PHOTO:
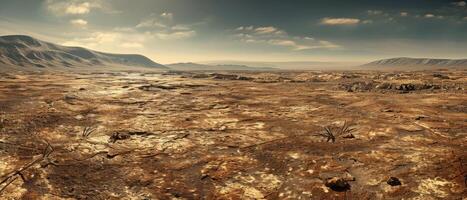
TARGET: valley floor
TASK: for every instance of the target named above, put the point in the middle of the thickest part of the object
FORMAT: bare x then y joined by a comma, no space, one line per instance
242,135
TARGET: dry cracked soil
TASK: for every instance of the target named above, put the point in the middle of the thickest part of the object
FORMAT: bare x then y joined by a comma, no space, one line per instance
234,135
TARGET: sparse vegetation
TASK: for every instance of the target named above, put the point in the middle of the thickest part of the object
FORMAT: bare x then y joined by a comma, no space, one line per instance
331,133
87,131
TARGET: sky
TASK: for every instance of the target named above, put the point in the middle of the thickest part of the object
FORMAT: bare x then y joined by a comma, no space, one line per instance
170,31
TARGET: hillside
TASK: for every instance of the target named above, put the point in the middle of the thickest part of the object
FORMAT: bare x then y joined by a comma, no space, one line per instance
21,52
410,63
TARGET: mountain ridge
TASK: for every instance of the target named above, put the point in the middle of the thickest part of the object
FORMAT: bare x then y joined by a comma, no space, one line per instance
190,66
27,53
399,62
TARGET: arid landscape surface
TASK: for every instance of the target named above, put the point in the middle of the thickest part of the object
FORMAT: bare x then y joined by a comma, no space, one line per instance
234,135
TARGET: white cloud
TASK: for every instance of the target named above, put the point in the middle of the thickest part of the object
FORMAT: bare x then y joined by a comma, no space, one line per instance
375,12
429,15
460,3
167,15
151,23
274,36
340,21
175,35
465,18
72,7
267,30
79,22
82,8
404,14
165,28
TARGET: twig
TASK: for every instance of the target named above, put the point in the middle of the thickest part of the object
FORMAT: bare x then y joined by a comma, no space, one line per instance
12,176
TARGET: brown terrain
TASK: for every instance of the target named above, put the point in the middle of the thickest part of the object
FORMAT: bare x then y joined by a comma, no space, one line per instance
234,135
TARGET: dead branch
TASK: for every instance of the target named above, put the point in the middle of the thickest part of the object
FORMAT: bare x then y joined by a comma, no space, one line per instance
12,176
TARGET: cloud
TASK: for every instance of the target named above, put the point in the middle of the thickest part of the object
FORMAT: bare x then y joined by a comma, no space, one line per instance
111,40
167,15
164,27
267,30
79,22
404,14
460,3
72,7
465,18
339,21
150,23
276,37
429,16
175,35
82,8
375,12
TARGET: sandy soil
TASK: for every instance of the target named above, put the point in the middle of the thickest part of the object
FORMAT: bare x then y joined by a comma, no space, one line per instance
232,135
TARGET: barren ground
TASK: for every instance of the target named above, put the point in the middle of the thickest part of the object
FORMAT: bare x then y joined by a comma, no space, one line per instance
233,135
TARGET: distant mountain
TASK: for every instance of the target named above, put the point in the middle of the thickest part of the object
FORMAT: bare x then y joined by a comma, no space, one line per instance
198,67
22,52
292,65
425,63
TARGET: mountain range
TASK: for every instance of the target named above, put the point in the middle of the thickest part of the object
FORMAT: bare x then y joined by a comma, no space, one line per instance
25,53
416,63
22,52
219,67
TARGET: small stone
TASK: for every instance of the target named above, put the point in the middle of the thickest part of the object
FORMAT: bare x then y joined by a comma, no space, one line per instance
419,117
348,177
388,110
223,128
393,181
348,136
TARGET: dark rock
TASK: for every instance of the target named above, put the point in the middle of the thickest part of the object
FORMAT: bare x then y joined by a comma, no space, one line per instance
419,117
393,181
441,76
337,184
119,136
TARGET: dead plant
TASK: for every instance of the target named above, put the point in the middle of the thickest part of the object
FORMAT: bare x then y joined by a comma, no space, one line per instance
10,177
331,133
87,131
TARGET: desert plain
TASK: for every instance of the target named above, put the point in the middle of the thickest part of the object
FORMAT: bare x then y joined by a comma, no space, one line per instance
234,135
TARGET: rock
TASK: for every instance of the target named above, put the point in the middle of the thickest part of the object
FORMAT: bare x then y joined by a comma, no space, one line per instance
406,87
419,117
388,110
393,181
348,177
440,76
223,128
119,136
337,184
